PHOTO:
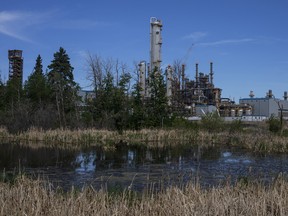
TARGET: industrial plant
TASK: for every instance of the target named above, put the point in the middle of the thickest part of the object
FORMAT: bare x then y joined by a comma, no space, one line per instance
190,98
198,97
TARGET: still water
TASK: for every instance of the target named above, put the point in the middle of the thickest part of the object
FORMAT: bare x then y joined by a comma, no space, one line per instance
138,167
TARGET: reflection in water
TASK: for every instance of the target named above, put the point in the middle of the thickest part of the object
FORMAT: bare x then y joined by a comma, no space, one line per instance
85,162
138,166
229,158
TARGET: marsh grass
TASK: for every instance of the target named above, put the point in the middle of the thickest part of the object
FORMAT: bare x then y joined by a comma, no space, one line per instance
256,138
27,197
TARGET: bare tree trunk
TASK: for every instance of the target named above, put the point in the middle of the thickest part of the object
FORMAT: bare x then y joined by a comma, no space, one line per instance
62,106
95,71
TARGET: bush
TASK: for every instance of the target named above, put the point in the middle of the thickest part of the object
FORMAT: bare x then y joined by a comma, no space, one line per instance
274,124
182,123
212,122
235,126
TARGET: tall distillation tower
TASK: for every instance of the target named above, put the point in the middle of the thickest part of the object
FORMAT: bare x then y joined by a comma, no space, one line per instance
155,44
155,57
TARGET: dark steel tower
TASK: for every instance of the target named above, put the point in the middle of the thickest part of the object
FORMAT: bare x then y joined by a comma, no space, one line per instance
15,64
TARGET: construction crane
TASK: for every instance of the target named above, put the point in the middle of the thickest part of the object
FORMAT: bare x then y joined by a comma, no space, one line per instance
185,58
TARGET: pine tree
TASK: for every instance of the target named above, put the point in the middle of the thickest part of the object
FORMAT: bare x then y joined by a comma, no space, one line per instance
36,87
121,104
64,88
157,105
2,96
137,119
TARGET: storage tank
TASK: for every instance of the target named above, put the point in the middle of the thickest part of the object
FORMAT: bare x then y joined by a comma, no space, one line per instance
248,112
232,112
240,112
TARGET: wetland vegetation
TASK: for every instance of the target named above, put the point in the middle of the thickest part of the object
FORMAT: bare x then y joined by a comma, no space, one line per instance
244,197
26,197
46,113
256,137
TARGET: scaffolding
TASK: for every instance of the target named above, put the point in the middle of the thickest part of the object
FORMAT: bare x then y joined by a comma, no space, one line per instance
15,64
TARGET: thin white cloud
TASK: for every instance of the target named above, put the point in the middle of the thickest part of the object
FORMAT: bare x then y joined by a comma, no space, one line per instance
20,24
229,41
16,23
195,36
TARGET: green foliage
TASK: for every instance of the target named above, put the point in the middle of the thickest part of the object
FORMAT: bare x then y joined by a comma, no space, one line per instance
110,108
2,95
274,124
179,122
36,87
157,104
235,126
64,88
137,117
212,122
13,93
285,133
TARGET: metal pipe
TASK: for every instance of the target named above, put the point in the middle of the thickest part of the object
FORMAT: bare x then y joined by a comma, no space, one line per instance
211,73
197,76
183,76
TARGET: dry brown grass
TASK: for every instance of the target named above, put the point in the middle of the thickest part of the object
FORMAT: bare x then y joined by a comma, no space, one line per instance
256,138
27,197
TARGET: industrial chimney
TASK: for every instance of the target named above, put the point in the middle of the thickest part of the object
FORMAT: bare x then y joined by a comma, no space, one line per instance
211,73
285,95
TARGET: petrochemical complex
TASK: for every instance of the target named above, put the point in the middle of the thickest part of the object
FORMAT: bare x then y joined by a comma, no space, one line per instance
195,98
192,98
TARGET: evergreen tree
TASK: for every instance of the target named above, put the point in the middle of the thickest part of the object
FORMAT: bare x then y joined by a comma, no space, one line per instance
104,102
2,95
64,88
137,118
36,87
157,105
13,94
2,101
121,105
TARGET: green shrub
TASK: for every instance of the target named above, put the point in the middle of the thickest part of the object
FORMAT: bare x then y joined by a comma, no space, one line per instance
235,126
212,122
180,122
274,124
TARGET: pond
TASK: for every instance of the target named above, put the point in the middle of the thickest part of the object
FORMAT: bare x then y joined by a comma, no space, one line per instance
138,167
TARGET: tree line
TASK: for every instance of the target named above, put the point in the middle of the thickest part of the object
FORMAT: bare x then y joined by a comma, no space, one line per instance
50,99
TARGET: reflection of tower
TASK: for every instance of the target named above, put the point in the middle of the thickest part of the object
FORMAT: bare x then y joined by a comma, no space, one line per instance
155,44
15,64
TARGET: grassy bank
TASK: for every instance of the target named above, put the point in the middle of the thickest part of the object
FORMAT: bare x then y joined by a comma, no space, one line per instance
26,197
256,138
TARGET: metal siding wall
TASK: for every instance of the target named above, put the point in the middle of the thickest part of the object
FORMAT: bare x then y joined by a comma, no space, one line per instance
273,107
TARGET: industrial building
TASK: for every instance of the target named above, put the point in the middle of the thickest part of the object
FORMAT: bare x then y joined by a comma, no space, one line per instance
192,98
184,95
267,106
195,98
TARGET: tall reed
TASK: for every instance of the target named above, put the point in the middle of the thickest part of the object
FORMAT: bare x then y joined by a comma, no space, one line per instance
27,197
255,138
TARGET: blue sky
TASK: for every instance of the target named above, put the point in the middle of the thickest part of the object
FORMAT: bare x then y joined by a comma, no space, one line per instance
246,39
